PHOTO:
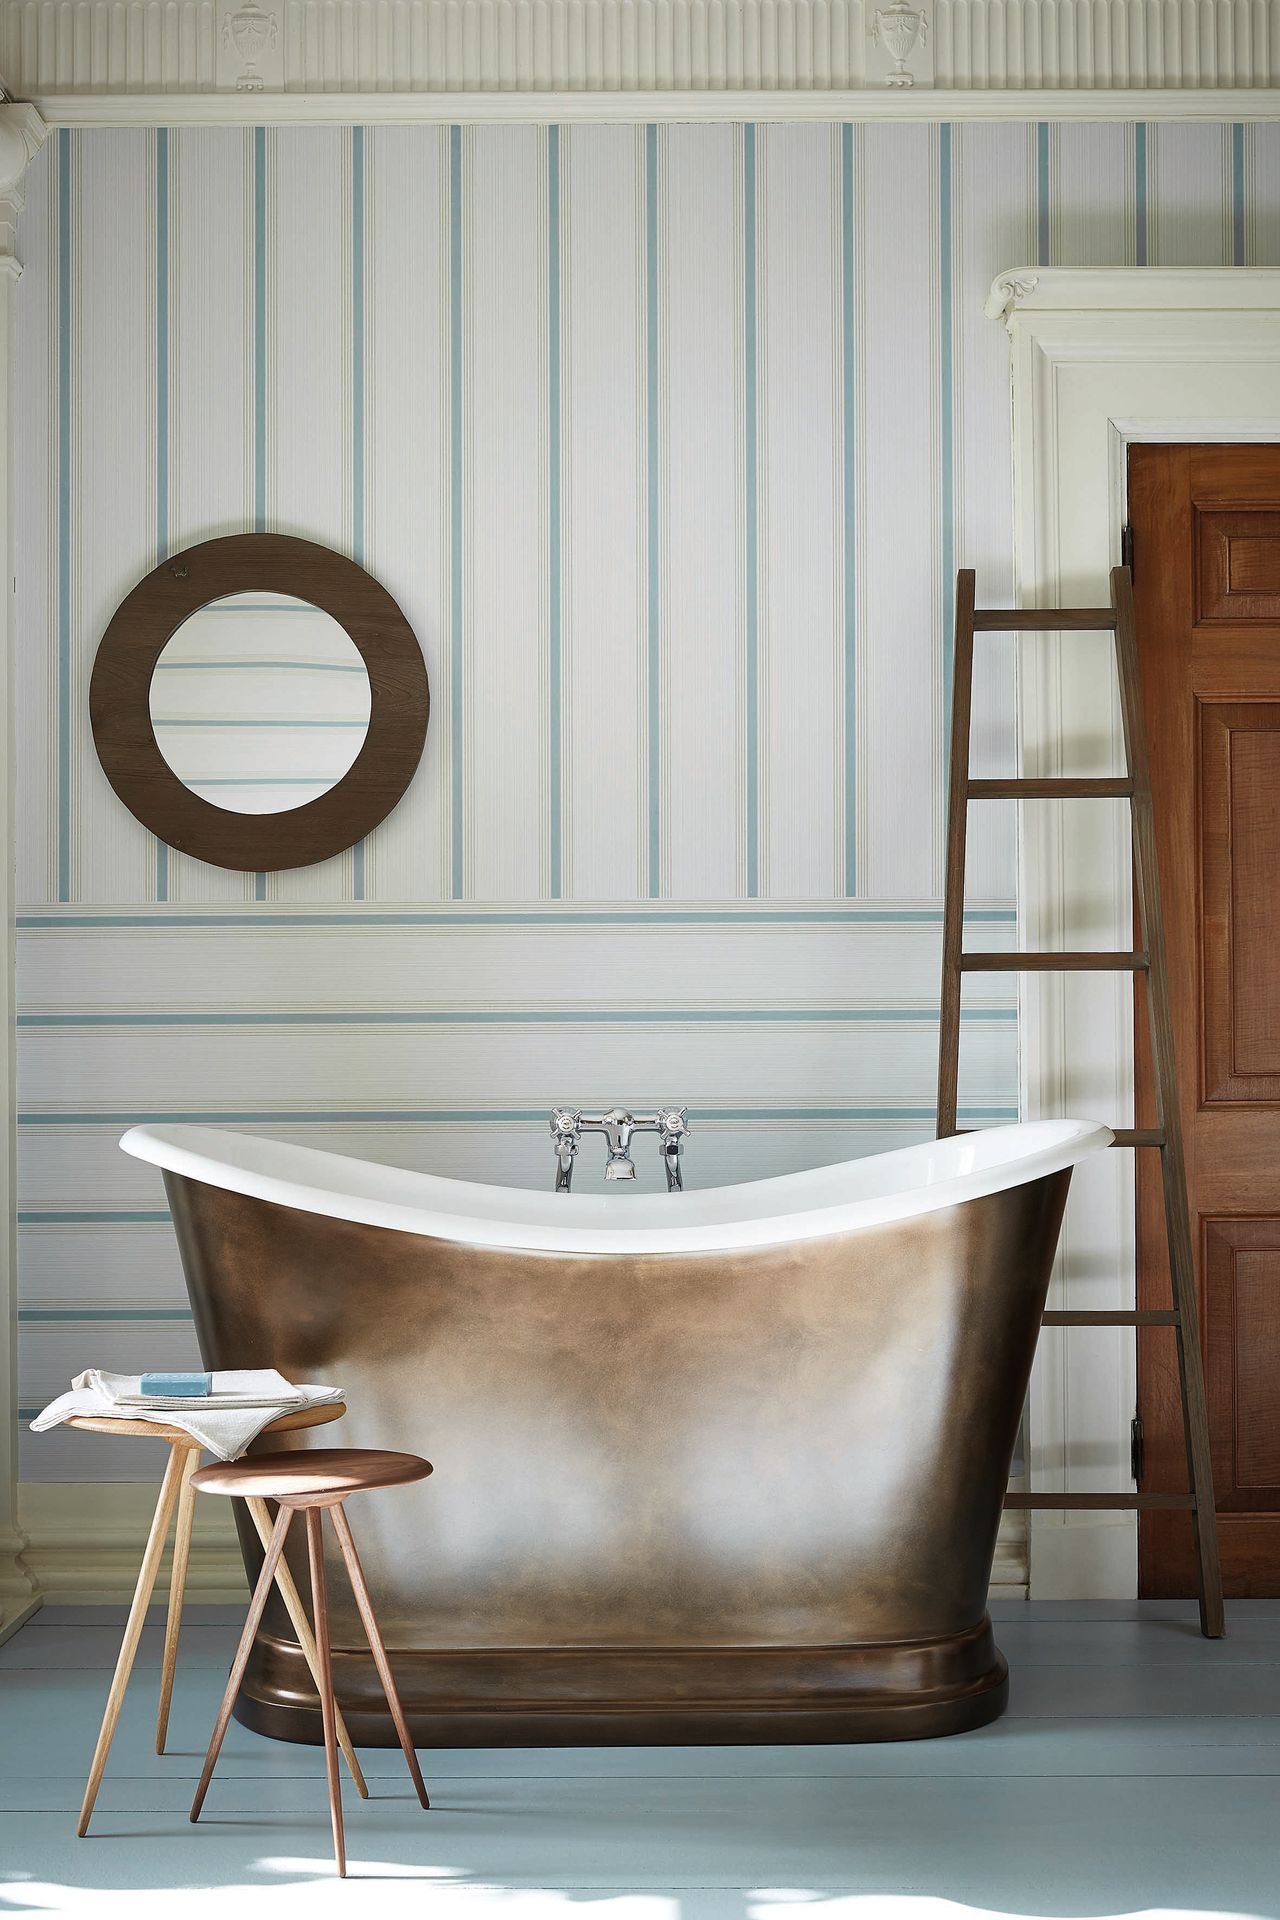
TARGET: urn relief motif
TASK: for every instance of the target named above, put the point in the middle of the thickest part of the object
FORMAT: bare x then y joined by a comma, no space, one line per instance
899,29
251,33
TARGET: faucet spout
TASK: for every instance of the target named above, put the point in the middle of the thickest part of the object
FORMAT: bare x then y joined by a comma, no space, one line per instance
618,1127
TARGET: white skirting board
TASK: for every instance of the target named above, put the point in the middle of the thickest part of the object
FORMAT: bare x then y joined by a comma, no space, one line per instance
85,1542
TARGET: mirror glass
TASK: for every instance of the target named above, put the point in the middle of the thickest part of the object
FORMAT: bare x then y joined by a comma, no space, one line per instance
260,702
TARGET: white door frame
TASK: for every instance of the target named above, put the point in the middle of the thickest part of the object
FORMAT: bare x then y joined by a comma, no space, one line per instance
1101,358
21,133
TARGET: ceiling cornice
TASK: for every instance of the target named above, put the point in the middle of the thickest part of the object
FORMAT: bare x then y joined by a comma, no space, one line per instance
87,62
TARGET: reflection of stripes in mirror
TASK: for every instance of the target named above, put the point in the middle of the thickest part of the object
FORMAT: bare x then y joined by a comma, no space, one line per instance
271,725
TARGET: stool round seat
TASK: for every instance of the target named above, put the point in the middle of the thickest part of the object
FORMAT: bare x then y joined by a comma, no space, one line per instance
317,1478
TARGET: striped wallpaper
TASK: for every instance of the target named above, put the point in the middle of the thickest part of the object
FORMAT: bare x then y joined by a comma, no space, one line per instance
668,440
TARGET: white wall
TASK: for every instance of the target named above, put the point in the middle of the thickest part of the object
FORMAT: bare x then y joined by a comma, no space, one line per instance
668,441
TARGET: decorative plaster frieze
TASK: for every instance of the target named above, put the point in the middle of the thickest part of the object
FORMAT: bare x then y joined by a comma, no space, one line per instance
257,50
22,133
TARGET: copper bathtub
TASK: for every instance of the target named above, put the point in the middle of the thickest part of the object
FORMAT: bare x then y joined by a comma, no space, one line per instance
717,1466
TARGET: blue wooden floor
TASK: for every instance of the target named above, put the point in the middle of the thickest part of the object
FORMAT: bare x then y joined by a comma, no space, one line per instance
1138,1769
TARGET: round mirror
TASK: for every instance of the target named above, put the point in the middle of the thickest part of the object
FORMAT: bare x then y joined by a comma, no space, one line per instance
260,702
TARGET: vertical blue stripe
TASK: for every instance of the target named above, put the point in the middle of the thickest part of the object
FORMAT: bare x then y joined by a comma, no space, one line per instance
1237,196
357,405
260,329
653,471
1042,193
455,495
946,396
1140,193
162,405
357,344
64,515
849,480
751,432
554,557
162,343
260,363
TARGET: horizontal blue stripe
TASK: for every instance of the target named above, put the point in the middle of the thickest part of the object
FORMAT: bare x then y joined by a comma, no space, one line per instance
454,1116
294,726
530,1017
43,920
231,606
96,1314
91,1216
237,664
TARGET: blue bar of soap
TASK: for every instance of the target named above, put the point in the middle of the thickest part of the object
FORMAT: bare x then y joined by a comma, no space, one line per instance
176,1386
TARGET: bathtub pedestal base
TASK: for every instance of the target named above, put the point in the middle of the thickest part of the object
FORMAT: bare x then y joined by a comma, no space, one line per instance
690,1696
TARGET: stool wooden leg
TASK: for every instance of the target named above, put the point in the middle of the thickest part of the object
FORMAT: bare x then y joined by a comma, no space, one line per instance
177,1588
133,1629
241,1660
261,1518
315,1549
355,1572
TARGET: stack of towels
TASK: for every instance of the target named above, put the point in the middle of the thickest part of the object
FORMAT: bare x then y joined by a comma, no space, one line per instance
223,1411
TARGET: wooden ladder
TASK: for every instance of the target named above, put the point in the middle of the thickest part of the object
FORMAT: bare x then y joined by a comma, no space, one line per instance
1152,962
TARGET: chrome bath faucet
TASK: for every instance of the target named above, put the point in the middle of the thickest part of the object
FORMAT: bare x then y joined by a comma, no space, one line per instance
618,1126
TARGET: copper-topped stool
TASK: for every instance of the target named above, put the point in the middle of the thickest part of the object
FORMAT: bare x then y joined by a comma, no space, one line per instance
175,1492
311,1482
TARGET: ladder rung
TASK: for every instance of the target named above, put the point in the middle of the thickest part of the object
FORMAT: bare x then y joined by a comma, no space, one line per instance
1053,962
1140,1317
1065,789
1043,619
1098,1502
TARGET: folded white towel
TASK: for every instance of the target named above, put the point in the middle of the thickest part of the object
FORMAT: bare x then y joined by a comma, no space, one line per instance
225,1422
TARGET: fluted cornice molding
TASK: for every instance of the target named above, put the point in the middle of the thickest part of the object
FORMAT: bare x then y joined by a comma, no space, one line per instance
22,133
406,59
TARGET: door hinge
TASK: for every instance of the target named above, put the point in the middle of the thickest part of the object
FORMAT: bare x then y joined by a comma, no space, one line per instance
1126,547
1136,1448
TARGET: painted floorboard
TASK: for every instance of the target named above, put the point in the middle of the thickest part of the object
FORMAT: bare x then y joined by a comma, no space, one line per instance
1138,1771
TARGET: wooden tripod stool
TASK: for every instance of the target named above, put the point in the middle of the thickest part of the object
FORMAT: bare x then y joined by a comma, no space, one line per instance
311,1482
176,1491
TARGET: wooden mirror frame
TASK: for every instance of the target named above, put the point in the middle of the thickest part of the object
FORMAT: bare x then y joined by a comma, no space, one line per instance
120,702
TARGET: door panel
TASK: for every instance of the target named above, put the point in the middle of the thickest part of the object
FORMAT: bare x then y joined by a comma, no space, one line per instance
1240,900
1242,1301
1206,524
1237,564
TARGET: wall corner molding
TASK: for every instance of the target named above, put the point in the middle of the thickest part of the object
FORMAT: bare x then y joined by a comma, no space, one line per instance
22,134
20,1594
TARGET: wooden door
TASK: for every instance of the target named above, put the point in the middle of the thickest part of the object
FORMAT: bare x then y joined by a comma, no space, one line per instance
1206,561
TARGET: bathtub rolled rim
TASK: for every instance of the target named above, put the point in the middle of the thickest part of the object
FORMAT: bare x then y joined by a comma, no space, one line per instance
820,1202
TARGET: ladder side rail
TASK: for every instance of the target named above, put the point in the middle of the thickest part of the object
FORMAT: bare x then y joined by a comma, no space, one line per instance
957,833
1195,1414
